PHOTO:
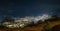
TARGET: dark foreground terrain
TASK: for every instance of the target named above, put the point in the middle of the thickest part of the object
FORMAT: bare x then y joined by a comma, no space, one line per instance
54,25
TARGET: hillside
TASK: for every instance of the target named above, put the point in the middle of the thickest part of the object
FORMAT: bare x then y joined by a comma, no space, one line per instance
37,27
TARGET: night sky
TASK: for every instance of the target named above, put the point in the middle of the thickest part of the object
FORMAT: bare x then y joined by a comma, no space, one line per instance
21,8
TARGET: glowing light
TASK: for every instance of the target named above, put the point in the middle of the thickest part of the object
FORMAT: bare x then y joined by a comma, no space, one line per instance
27,20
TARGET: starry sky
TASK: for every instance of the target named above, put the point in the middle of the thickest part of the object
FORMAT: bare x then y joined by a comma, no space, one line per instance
21,8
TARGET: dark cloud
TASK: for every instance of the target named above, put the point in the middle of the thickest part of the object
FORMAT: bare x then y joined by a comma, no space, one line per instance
23,8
